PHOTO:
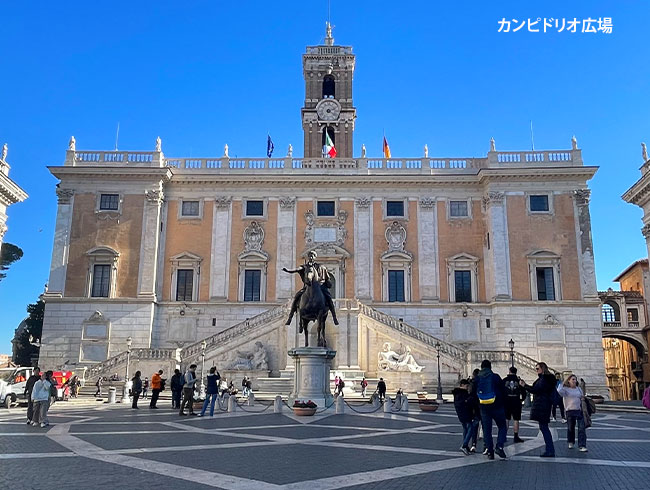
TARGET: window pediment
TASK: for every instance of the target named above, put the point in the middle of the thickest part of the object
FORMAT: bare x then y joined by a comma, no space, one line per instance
103,252
253,256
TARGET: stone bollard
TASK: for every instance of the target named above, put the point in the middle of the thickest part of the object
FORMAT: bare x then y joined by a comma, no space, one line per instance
111,394
251,399
375,402
405,403
232,403
340,405
277,404
387,404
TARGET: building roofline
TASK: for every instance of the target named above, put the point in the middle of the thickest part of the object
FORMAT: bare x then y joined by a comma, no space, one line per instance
630,267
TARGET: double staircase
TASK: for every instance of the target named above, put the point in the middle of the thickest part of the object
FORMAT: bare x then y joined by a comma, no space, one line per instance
215,347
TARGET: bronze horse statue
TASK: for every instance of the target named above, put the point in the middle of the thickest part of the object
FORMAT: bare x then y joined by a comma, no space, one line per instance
313,307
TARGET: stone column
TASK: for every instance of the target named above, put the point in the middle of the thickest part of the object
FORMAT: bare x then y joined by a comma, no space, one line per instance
149,244
58,267
497,259
363,246
428,250
220,254
286,252
585,245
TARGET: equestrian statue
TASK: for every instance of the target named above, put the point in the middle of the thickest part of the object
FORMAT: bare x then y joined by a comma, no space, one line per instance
314,300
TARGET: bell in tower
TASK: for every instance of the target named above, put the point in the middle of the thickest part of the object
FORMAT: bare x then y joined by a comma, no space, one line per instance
328,113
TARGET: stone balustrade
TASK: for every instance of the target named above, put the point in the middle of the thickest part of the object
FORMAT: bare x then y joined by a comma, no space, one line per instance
111,365
364,166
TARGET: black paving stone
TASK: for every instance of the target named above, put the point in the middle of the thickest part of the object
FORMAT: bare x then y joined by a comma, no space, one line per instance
28,444
131,441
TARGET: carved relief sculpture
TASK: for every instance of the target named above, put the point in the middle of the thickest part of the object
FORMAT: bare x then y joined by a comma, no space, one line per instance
396,237
64,195
222,202
287,202
389,360
257,360
253,237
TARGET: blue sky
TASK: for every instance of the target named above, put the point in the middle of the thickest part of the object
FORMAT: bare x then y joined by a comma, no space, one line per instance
204,73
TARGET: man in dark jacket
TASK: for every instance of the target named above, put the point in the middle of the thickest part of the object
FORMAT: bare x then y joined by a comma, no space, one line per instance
381,389
490,392
29,386
465,405
176,386
543,391
515,394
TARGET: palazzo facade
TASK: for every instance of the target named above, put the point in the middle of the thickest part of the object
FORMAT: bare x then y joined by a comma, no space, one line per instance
463,252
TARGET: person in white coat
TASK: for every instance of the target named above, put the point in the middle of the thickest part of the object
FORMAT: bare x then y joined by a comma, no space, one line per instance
41,399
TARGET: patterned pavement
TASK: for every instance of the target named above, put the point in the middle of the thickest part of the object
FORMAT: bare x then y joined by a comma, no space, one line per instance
116,447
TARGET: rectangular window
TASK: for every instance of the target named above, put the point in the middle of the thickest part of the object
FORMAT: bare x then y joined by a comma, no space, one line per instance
325,208
184,284
545,284
252,285
101,281
395,286
458,209
539,203
254,208
463,286
394,209
109,202
633,315
190,208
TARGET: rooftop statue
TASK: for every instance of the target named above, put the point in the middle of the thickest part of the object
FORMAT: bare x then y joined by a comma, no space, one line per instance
5,149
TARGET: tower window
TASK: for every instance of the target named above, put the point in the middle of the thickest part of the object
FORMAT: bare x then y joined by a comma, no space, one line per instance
545,284
254,208
326,208
463,286
394,209
395,286
184,284
329,87
252,285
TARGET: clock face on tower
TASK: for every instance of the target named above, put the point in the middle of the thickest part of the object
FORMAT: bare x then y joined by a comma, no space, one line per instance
328,110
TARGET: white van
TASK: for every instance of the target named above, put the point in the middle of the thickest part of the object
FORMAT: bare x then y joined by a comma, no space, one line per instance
12,385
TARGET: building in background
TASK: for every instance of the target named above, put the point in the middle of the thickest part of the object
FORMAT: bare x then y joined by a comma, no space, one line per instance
10,192
179,259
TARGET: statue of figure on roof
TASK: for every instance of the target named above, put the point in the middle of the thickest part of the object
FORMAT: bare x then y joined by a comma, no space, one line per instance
72,144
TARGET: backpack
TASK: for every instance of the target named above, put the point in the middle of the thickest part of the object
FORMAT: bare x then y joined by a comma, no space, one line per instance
162,384
646,398
485,390
591,406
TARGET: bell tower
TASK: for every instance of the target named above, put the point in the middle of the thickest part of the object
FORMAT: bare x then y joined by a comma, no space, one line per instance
328,70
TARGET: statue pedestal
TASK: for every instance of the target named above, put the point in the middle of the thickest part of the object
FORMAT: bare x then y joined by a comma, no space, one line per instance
312,375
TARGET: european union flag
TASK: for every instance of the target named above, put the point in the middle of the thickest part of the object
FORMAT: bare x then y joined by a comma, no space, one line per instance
269,146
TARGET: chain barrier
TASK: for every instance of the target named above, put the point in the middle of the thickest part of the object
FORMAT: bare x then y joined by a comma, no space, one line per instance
241,405
381,405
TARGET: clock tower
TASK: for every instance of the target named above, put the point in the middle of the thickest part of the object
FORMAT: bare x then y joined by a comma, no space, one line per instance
328,70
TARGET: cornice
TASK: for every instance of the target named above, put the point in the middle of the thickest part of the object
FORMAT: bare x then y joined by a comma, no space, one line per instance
10,192
113,173
639,193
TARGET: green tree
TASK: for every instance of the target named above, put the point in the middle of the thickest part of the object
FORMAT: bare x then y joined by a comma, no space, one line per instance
27,340
9,253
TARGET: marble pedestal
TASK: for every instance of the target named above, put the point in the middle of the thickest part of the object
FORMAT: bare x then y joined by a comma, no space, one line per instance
312,375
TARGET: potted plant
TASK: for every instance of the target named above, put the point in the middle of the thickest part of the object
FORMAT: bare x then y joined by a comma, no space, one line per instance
427,405
302,408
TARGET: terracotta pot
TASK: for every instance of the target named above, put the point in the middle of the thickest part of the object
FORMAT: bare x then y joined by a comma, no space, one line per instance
304,412
428,407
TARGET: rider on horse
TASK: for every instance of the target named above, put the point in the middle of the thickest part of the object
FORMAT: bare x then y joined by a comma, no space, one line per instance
323,280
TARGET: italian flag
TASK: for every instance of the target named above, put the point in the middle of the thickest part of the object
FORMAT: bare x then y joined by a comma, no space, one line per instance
329,150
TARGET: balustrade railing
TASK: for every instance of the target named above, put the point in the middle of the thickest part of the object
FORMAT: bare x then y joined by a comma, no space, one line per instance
356,165
138,354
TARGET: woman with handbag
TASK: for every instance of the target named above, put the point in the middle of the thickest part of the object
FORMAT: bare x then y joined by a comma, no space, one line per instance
572,397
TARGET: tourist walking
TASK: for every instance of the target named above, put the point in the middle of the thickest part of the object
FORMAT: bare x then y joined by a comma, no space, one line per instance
98,385
381,389
176,385
543,390
136,389
515,395
490,393
249,387
364,387
41,392
29,387
157,385
145,387
646,397
477,414
211,391
465,405
339,392
557,400
188,391
572,397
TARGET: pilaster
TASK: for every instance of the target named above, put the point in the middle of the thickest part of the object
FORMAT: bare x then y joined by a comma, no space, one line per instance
363,248
149,243
286,253
60,250
428,250
497,257
220,253
585,245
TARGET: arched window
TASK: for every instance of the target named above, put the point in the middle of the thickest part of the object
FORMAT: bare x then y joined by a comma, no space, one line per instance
329,87
611,312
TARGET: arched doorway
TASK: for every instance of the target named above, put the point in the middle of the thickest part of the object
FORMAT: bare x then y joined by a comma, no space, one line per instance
623,368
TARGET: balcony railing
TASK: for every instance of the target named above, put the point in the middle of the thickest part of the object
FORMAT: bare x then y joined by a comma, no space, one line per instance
289,164
612,324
